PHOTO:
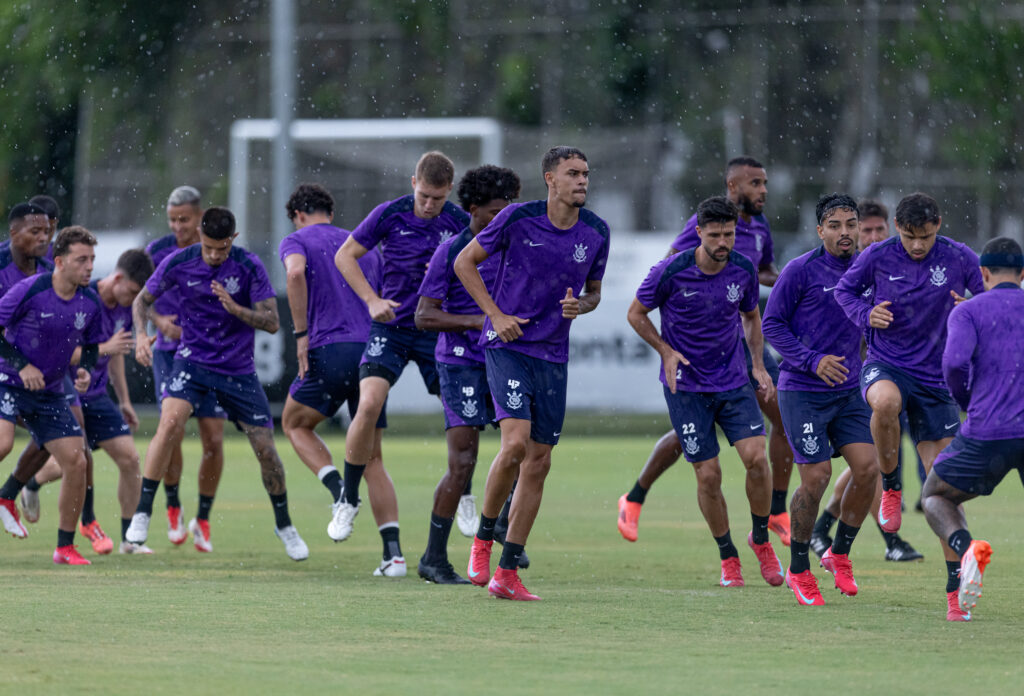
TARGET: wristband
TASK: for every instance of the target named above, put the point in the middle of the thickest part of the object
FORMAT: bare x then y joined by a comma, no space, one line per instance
301,334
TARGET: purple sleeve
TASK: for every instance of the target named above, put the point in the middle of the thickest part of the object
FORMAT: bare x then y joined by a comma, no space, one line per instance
751,294
972,272
494,237
289,246
768,250
10,304
435,282
600,261
369,233
259,288
778,317
849,292
650,293
688,238
369,263
956,358
158,283
94,330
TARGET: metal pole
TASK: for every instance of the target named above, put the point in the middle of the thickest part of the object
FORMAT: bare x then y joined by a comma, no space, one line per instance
283,78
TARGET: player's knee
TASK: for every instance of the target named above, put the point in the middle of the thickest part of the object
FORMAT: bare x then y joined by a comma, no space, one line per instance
815,478
885,402
709,477
513,450
463,461
536,468
5,447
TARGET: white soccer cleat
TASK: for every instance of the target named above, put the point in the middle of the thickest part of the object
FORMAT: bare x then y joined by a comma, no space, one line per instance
176,531
30,505
340,526
138,549
466,516
393,567
9,518
972,567
294,546
138,530
200,534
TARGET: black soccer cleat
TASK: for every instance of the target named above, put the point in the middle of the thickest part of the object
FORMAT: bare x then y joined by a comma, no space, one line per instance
820,543
441,574
902,551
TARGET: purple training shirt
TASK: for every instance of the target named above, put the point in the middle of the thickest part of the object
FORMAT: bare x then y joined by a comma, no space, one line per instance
158,250
111,320
753,239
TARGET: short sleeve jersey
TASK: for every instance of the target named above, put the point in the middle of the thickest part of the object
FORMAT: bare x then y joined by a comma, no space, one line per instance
804,323
700,317
441,283
158,250
538,262
921,301
210,336
111,320
406,245
753,239
11,275
46,328
334,312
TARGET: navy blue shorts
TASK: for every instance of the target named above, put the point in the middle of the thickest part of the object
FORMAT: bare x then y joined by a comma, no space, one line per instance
390,348
932,414
819,423
694,414
71,395
332,380
465,395
770,364
103,420
163,361
530,389
46,414
241,396
977,466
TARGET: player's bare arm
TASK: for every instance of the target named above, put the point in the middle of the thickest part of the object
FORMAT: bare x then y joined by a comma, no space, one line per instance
115,369
141,308
261,316
507,327
572,307
767,275
755,341
637,317
298,303
347,261
430,317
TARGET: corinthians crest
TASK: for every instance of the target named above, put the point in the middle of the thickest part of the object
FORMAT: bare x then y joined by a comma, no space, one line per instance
691,445
811,445
515,400
938,276
231,285
178,382
445,236
871,375
469,409
580,255
7,405
79,320
376,347
733,293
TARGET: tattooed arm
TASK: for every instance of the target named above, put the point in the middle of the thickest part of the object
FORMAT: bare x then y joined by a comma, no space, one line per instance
262,315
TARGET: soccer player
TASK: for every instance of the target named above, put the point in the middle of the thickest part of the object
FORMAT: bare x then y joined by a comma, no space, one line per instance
914,280
224,295
707,299
45,318
184,215
747,187
550,250
408,230
981,364
821,406
445,306
331,328
874,227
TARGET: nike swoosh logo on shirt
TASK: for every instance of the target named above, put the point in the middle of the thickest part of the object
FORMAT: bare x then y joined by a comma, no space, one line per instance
896,277
406,232
46,315
534,244
192,283
830,289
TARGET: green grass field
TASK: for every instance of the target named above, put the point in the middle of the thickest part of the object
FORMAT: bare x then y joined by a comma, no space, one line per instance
615,617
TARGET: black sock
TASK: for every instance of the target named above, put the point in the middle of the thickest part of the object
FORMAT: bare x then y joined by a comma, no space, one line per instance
726,549
959,541
778,501
172,495
389,535
798,560
11,488
353,475
32,484
485,532
88,514
149,487
280,503
332,481
205,505
638,494
891,481
952,576
510,556
65,538
468,490
890,538
437,539
125,523
845,534
760,528
824,524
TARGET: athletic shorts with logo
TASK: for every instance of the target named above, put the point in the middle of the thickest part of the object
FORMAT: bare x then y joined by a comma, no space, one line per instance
332,380
71,395
694,414
528,388
103,420
466,395
390,348
819,423
978,466
932,414
241,396
163,360
46,414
